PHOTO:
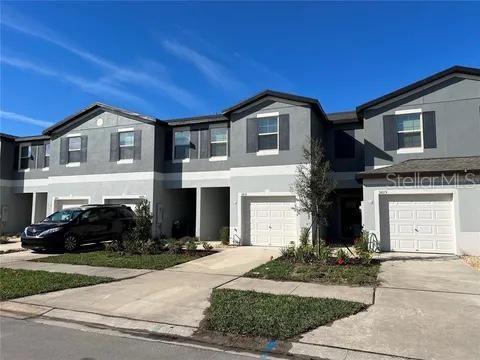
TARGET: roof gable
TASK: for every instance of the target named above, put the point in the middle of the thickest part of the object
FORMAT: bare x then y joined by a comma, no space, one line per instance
419,84
96,107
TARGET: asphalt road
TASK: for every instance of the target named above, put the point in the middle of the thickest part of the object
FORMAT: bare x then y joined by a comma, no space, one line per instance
27,340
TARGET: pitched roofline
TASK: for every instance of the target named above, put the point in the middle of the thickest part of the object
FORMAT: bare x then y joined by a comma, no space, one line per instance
303,99
98,105
7,136
457,69
343,117
31,138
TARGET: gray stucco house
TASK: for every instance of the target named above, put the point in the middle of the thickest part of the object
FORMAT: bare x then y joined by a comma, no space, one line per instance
407,167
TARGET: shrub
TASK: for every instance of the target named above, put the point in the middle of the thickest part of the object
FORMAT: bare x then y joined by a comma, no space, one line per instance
362,249
206,246
324,252
191,245
304,236
137,239
305,253
288,252
175,246
224,235
342,257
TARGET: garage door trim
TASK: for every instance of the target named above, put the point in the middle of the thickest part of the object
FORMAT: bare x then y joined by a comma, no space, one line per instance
381,194
239,237
60,198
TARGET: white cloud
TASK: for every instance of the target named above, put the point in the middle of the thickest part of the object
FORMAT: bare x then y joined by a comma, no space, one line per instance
212,70
28,26
8,115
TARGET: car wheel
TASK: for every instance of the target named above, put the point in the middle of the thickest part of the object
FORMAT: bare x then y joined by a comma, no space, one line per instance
71,242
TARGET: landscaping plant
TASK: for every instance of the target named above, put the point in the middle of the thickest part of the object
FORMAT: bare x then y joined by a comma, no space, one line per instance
206,246
342,257
362,249
224,235
191,245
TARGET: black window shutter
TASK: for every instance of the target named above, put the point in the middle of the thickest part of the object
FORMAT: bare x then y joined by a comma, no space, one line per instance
63,151
390,136
33,157
252,135
429,130
168,144
194,144
137,151
114,147
284,128
41,156
16,162
344,144
83,153
205,143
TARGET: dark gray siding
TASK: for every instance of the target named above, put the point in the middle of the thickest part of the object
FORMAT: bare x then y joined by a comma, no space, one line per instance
355,163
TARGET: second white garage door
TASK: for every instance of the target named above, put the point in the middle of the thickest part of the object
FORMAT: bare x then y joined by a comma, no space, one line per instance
270,221
421,223
60,204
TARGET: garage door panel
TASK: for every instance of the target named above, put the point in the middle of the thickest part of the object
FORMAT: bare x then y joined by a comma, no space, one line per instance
417,225
273,221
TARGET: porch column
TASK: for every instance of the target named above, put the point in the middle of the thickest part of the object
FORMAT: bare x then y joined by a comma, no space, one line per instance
34,208
198,211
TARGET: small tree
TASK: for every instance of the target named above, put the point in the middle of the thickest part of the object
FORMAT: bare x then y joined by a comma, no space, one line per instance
139,237
313,186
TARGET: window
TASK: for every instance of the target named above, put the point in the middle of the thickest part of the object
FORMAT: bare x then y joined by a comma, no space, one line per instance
218,142
268,133
47,155
126,144
409,128
344,144
74,149
25,155
181,145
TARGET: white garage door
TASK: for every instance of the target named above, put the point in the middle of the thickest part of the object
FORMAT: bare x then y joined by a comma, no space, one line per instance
132,203
422,223
70,203
270,221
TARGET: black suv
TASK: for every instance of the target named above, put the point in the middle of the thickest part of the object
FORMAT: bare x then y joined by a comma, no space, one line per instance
68,228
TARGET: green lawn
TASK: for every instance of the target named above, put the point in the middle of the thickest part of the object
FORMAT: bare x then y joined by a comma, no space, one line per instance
20,283
272,316
282,269
112,259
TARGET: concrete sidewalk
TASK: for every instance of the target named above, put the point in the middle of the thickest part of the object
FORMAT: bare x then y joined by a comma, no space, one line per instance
350,293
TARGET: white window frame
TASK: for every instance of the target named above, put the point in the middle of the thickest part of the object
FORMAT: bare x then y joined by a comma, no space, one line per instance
76,163
186,160
222,157
125,161
270,151
46,168
410,150
20,157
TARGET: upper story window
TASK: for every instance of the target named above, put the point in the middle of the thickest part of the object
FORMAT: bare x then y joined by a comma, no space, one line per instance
409,130
268,133
74,149
25,155
126,145
218,142
47,155
181,145
344,144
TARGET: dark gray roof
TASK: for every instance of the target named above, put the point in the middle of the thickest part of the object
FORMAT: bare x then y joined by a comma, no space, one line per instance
435,165
7,136
452,70
31,138
196,120
98,105
314,103
343,116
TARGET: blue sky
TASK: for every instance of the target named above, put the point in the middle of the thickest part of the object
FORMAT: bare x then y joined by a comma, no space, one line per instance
183,59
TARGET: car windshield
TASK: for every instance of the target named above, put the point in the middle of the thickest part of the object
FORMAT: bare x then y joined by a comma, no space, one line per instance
63,215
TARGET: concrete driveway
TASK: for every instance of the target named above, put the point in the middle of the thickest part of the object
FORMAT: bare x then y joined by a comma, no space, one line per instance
176,296
426,308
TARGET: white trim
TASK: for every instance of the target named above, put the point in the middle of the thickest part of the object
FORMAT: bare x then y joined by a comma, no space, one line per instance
72,164
46,168
270,114
194,175
129,176
179,161
218,158
125,129
408,111
74,135
412,150
264,170
24,170
455,206
122,196
71,197
379,166
267,152
125,161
